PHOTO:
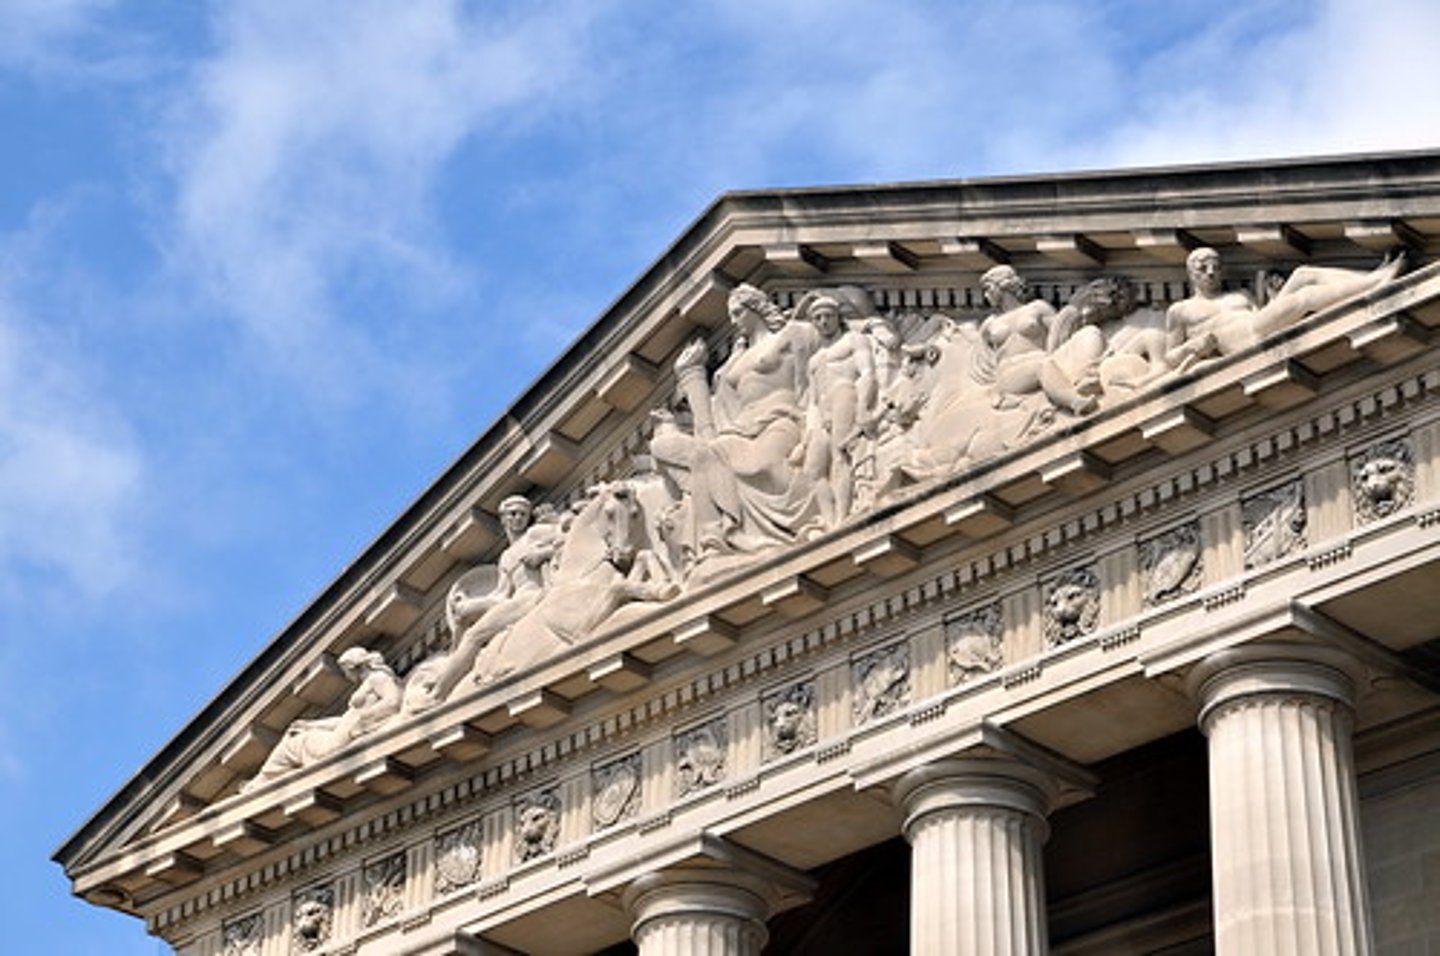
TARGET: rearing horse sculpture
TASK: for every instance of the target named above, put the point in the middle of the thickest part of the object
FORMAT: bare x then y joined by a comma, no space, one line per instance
608,559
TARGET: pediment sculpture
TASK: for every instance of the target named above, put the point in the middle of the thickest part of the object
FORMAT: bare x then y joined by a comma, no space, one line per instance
814,415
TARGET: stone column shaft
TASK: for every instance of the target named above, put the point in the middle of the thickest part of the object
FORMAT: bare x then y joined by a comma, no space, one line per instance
1288,872
976,828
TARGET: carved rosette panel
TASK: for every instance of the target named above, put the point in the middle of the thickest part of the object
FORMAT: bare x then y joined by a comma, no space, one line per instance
1072,605
1274,523
384,889
616,792
457,857
790,723
243,936
537,824
881,682
1171,564
312,918
700,757
973,643
1382,480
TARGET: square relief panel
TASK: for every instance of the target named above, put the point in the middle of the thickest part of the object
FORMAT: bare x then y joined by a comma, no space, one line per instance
458,856
1382,480
1171,564
312,918
383,889
1071,608
790,723
537,824
973,643
881,682
1274,523
616,791
243,936
700,756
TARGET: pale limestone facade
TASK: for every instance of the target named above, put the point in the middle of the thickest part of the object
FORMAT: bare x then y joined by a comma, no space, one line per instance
967,567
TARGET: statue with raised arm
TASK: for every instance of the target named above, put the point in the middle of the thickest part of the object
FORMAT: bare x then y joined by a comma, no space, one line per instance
375,700
1213,322
746,492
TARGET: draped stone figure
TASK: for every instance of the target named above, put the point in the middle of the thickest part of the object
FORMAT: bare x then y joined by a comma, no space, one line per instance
747,490
375,700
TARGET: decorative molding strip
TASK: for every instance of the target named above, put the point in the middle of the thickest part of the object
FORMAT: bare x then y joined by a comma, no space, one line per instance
1325,557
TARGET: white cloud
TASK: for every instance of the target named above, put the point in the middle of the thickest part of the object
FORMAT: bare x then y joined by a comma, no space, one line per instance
306,154
70,471
68,40
1352,76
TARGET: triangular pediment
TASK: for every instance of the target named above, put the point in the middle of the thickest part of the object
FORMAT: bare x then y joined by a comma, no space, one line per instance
1033,425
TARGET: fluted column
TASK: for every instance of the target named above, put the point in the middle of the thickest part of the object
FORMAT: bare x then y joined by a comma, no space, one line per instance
977,883
1285,844
699,911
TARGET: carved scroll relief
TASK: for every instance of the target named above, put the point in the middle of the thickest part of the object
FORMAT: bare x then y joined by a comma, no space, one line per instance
1172,564
458,856
1274,523
383,892
973,643
616,793
881,682
700,759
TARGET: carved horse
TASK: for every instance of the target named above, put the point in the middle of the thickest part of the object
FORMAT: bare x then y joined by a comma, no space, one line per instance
608,560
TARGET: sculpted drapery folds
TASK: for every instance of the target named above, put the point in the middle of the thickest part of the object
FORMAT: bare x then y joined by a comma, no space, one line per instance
813,415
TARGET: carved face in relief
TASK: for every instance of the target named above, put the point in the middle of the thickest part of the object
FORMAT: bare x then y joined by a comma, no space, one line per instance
312,923
515,513
1381,481
825,313
1203,266
787,723
535,831
1067,605
1000,283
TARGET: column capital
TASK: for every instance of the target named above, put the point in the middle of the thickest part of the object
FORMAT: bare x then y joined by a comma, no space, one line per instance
975,782
1273,668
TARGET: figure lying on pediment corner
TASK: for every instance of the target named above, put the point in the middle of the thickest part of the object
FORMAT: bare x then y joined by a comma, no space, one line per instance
1213,322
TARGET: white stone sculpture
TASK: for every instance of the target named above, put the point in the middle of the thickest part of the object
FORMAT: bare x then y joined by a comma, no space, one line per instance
700,757
313,918
384,889
842,388
1172,564
747,491
790,719
374,702
1072,606
973,643
881,682
537,825
616,791
458,856
1382,480
1213,322
1274,523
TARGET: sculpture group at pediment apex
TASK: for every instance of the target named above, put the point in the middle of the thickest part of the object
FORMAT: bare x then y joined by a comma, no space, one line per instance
812,416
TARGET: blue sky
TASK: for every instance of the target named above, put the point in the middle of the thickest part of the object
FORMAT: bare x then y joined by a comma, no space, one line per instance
267,266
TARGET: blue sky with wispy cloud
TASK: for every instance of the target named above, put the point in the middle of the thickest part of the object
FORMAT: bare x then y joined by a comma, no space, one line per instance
266,266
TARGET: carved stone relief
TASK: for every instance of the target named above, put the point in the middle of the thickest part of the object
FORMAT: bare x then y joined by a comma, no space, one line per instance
243,936
789,719
383,890
1072,605
1382,480
1171,564
616,791
973,643
881,682
700,757
1274,523
458,857
537,824
312,918
810,417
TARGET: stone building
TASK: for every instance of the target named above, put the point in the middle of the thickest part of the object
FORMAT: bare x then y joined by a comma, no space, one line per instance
1006,566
